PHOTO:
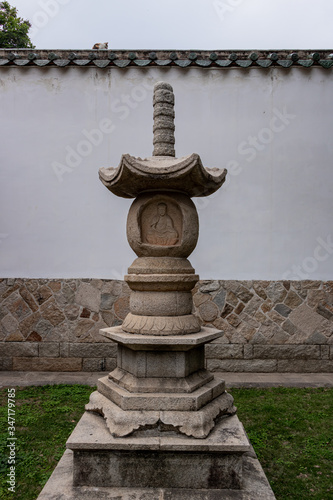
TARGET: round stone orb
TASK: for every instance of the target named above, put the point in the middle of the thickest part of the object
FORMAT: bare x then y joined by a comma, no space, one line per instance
163,224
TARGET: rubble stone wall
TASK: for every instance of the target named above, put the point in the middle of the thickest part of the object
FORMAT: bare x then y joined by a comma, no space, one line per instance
268,326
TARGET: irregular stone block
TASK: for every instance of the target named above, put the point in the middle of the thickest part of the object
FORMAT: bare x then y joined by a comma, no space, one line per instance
317,338
219,299
52,313
308,320
208,311
9,323
88,296
29,299
292,300
276,291
282,309
248,351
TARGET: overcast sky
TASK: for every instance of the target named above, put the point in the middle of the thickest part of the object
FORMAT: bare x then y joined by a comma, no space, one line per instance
180,24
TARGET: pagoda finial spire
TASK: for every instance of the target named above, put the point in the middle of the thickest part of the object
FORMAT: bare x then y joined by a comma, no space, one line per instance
164,114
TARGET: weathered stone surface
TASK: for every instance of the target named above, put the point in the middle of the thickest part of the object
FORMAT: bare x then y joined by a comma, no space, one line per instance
208,311
191,423
42,294
279,337
234,320
88,296
210,287
259,290
244,295
93,350
316,338
283,310
34,337
28,298
6,364
308,321
47,364
55,286
248,351
9,323
19,349
325,310
15,337
94,364
60,486
52,313
18,307
276,291
107,301
292,300
227,310
121,307
231,298
223,351
108,318
48,349
325,352
304,366
43,328
219,298
83,327
178,402
286,352
242,365
71,312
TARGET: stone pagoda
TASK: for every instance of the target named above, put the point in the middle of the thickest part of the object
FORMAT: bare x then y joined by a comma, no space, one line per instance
160,424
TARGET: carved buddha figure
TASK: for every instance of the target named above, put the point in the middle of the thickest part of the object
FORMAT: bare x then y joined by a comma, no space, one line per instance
161,229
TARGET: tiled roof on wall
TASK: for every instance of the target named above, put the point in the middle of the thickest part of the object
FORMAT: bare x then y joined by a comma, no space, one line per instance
178,58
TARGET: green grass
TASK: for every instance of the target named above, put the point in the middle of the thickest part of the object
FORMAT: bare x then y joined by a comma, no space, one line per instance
290,429
45,417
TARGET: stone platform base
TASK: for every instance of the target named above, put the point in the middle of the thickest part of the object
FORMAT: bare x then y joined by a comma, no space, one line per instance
156,465
158,459
60,487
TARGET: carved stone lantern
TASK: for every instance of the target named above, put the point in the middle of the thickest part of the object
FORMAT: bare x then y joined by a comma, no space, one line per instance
164,412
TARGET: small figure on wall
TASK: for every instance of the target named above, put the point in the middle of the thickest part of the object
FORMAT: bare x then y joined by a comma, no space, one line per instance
99,46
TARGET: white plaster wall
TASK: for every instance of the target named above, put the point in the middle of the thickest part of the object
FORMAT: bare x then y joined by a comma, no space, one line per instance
271,220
